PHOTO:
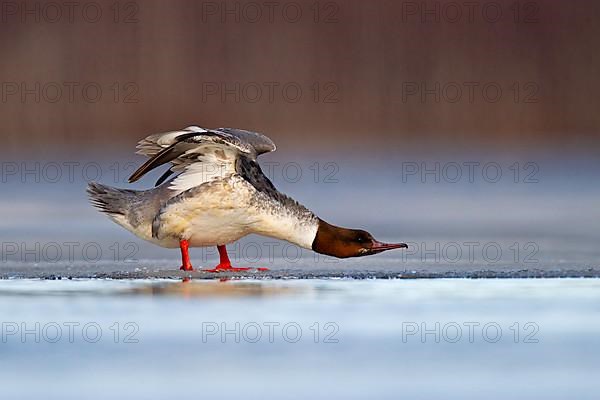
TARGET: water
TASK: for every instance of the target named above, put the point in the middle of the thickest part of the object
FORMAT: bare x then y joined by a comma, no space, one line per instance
330,339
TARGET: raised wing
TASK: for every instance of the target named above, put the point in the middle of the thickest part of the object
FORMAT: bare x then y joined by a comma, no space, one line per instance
199,154
153,144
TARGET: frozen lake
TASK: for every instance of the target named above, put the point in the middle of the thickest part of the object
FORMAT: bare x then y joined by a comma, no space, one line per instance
317,338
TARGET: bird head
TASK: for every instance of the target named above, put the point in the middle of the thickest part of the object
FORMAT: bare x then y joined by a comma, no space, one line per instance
343,243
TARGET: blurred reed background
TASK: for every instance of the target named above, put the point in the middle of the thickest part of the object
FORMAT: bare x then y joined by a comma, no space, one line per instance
399,77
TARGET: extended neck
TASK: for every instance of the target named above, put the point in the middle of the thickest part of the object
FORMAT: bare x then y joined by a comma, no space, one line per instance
297,226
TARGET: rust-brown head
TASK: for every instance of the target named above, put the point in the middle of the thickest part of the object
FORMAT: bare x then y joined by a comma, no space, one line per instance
343,243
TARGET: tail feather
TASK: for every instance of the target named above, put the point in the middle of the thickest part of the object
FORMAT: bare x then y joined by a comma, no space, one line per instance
112,201
132,209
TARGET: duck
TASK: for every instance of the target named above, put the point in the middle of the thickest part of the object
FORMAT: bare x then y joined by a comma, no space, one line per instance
214,193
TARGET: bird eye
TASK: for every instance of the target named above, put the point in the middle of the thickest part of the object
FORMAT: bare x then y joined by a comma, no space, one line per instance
360,239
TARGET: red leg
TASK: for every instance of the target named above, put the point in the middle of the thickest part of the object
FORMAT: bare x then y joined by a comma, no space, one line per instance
186,265
225,263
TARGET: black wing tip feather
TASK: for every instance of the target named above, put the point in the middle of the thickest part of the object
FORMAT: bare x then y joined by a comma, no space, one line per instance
164,177
162,157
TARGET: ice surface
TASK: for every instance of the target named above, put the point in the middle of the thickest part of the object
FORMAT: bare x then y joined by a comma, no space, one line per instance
541,339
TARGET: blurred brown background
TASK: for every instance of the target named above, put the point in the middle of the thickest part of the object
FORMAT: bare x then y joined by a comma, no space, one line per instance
97,75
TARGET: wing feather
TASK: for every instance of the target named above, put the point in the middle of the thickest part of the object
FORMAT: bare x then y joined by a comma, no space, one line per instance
199,155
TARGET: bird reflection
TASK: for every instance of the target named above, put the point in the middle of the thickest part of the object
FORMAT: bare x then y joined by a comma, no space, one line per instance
225,287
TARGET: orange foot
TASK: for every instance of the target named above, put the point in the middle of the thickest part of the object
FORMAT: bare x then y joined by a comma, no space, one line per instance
225,267
225,263
229,268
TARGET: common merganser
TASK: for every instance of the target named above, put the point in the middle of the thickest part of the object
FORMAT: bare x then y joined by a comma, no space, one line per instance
218,196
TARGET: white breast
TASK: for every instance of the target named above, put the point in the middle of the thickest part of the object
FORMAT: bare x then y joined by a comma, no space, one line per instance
226,210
